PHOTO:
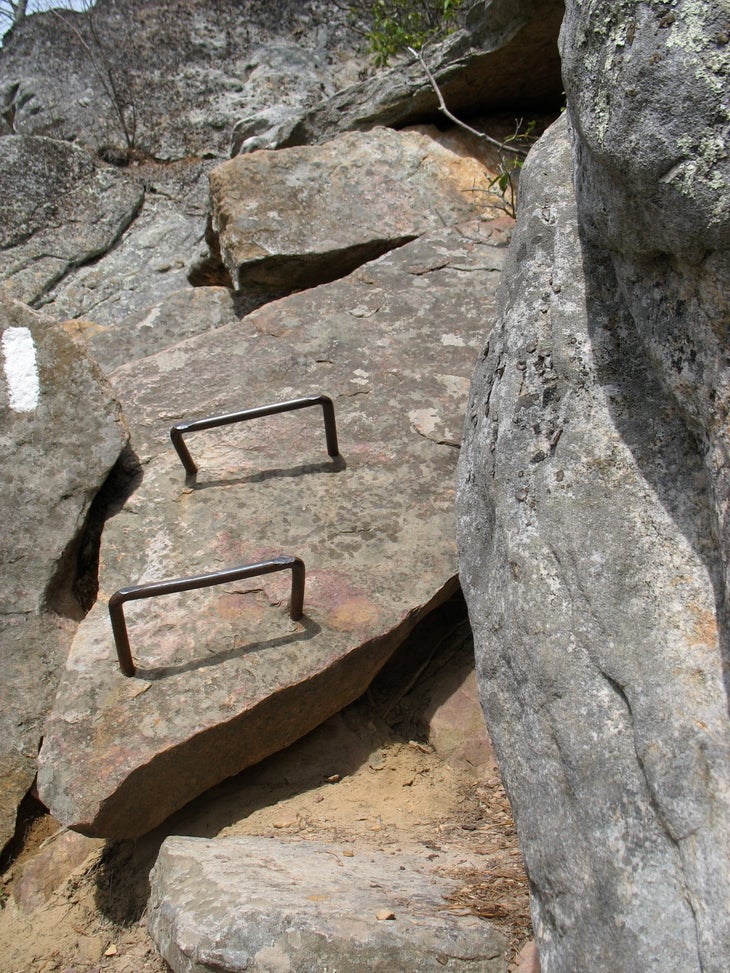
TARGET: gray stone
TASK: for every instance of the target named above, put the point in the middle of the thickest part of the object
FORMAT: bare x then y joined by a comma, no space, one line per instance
297,76
182,314
62,431
60,209
664,210
505,57
224,676
261,905
590,562
303,216
153,258
33,651
647,92
185,72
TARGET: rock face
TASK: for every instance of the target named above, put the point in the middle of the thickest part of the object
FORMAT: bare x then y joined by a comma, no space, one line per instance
60,209
184,72
152,259
257,904
650,181
286,73
505,57
62,431
295,75
304,216
592,498
228,679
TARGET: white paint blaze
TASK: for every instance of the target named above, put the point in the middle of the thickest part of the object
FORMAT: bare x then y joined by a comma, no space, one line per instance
21,369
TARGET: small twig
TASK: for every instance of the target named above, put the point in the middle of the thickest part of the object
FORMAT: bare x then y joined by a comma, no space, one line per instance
503,146
103,71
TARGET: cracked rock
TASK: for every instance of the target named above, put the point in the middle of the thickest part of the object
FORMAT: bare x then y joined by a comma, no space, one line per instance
61,432
60,209
299,217
224,676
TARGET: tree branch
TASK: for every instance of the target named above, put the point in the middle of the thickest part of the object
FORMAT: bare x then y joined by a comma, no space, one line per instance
503,146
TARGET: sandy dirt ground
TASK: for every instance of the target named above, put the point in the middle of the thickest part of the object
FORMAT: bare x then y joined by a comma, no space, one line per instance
408,767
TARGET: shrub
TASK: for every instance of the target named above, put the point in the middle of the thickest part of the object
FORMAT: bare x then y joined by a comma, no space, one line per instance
399,24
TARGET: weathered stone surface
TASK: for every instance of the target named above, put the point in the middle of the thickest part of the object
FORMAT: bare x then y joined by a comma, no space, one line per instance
225,678
152,259
590,562
185,71
182,314
287,73
666,215
284,78
61,433
59,208
302,216
54,864
257,904
32,654
505,57
647,90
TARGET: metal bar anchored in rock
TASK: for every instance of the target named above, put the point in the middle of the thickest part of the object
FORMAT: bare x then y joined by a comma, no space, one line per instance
197,425
154,588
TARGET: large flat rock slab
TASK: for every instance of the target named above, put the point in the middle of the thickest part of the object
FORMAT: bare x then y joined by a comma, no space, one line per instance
224,676
258,904
60,209
303,216
60,433
183,313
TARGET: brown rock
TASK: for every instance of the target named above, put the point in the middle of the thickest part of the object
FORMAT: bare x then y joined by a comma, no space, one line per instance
527,960
303,216
224,676
51,867
456,726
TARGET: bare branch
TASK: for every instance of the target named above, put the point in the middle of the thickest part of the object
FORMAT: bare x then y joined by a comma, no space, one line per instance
11,12
123,108
502,146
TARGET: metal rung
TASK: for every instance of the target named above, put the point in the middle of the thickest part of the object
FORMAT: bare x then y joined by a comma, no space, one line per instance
195,425
154,588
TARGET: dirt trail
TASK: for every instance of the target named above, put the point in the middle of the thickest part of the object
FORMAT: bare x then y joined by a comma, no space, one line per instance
406,767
